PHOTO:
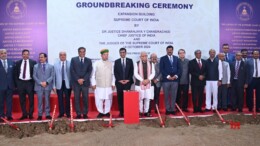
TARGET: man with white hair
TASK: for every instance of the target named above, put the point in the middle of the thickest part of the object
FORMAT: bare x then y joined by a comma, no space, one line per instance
144,73
61,84
103,84
6,85
225,83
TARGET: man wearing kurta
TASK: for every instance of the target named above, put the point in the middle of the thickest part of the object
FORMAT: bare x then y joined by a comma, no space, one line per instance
144,72
103,84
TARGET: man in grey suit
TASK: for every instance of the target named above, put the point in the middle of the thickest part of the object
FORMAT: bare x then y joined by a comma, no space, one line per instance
224,83
80,70
61,83
156,81
183,89
43,74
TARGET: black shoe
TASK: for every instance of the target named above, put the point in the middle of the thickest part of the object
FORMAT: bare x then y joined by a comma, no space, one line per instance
147,114
9,118
173,113
225,109
60,116
99,115
185,110
68,116
199,110
233,109
207,110
250,109
23,117
167,113
214,111
1,120
257,110
78,117
85,116
30,117
195,111
107,115
121,115
219,109
48,117
39,118
240,110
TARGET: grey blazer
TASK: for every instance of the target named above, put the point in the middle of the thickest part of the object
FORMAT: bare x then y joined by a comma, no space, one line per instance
158,74
57,81
40,76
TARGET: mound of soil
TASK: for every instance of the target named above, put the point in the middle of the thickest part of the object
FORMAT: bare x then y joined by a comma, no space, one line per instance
62,126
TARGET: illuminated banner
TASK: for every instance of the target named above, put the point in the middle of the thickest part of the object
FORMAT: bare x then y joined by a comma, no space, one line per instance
240,24
23,25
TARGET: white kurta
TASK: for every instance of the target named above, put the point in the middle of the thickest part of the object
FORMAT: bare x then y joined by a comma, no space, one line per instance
103,95
145,95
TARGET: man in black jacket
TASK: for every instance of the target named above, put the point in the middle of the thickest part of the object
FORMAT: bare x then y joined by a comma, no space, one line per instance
239,81
23,75
123,71
197,69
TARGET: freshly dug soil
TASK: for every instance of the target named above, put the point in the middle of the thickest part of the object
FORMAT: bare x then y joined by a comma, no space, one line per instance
61,126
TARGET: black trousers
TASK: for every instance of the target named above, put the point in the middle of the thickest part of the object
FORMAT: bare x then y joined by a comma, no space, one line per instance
197,96
237,97
182,96
156,99
255,84
26,88
120,95
222,96
61,93
6,96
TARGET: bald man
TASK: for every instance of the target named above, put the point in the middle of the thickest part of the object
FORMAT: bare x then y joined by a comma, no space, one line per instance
213,78
61,84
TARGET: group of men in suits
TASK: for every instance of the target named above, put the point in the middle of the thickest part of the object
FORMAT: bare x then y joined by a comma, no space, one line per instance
225,77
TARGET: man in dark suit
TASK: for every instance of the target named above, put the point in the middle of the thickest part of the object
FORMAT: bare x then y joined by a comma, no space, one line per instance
171,72
80,70
123,71
239,81
253,74
197,69
6,85
23,75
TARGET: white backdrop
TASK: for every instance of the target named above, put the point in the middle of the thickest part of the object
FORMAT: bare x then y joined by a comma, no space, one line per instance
70,27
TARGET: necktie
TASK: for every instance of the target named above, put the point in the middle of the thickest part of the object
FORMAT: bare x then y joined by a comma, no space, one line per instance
236,70
5,66
24,69
200,65
62,71
226,57
256,68
43,68
171,59
123,65
81,62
